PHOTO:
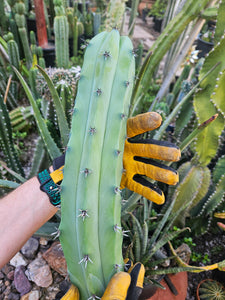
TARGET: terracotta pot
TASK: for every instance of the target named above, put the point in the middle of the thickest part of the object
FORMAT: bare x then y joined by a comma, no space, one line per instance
145,4
180,281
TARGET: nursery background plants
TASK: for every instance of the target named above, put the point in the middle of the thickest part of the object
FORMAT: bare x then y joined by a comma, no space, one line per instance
39,72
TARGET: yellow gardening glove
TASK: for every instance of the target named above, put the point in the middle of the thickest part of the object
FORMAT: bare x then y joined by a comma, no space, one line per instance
122,286
138,159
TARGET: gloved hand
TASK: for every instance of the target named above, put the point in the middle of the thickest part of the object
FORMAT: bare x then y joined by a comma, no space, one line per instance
122,286
138,158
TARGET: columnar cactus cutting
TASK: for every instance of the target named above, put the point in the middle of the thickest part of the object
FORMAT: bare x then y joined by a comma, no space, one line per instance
90,230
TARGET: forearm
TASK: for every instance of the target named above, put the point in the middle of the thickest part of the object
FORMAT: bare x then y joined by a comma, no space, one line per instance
22,213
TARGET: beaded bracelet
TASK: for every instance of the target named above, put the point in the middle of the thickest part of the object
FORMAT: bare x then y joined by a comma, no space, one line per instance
48,186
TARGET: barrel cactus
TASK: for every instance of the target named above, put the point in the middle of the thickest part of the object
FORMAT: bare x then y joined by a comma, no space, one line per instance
90,229
211,290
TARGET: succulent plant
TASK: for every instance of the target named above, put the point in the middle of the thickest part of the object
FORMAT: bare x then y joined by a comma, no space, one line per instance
90,229
210,290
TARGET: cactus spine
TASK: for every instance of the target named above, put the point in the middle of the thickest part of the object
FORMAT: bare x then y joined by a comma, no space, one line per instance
91,234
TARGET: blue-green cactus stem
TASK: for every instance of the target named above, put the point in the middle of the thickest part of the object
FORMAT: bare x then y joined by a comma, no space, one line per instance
13,51
61,30
91,200
20,21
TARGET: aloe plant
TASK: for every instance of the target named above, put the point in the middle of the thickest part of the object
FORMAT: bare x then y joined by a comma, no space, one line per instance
90,189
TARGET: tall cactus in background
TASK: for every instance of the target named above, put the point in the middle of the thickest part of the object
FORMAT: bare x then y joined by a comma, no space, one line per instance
6,141
61,30
211,95
90,230
114,15
3,18
21,23
13,50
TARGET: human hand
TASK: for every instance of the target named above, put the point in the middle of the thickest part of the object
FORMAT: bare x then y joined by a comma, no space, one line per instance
138,159
122,286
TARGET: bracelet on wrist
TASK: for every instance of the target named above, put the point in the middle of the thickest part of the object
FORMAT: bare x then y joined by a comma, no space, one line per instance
51,187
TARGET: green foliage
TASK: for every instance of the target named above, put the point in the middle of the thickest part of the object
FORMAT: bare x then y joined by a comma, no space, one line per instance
158,9
198,257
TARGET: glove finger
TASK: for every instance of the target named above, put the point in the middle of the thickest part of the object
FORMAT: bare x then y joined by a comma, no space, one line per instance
145,188
150,148
156,170
72,294
128,264
136,285
117,287
58,161
143,123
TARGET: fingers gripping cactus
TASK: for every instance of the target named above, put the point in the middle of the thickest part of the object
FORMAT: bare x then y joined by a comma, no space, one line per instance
91,234
138,159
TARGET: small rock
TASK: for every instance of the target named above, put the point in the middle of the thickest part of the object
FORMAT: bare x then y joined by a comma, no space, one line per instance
55,258
30,248
13,296
7,268
39,272
10,275
21,282
7,291
1,275
43,241
7,283
33,295
184,252
18,260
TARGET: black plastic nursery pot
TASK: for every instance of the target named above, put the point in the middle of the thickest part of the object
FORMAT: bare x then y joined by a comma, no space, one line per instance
157,24
49,55
203,47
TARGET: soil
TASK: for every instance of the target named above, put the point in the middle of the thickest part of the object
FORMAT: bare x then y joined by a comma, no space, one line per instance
214,246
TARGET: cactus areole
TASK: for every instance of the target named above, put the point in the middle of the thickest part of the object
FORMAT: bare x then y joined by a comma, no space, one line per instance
90,229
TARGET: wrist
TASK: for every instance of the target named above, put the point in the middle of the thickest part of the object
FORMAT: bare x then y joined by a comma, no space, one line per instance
50,184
